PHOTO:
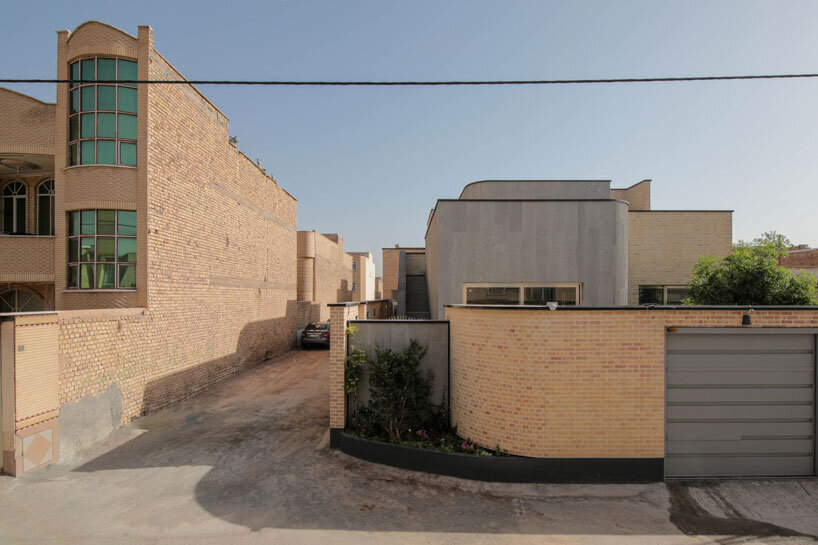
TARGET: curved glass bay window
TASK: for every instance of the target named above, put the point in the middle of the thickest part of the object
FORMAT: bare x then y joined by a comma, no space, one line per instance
102,112
45,208
102,249
14,207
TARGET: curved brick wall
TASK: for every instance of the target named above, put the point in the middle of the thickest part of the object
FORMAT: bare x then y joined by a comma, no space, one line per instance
572,383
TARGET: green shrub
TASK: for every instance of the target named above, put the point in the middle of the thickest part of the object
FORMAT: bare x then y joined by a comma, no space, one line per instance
750,275
399,392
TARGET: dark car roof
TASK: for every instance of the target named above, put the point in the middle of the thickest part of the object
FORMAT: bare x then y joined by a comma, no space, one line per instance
314,325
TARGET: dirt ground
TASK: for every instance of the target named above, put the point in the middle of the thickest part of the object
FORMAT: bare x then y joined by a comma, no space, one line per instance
248,462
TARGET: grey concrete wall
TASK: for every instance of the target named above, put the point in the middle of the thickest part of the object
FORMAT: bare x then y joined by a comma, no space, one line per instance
88,420
538,189
537,241
396,334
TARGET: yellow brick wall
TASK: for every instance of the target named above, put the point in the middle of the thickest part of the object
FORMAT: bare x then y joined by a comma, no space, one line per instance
663,247
26,259
217,240
637,195
390,271
333,273
391,260
339,316
27,124
572,384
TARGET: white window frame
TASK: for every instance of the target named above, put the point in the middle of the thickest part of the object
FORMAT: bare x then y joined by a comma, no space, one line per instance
522,285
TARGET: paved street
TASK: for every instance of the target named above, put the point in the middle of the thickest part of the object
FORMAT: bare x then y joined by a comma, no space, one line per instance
248,462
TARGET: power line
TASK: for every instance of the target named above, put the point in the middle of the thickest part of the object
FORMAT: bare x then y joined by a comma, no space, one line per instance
427,83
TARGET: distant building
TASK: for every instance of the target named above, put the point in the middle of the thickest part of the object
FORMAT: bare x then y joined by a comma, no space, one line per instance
325,270
801,258
363,276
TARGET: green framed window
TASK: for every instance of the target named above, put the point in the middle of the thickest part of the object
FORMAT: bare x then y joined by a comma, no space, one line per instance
102,249
102,123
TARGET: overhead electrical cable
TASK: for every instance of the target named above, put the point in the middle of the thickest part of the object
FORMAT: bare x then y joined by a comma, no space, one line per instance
678,79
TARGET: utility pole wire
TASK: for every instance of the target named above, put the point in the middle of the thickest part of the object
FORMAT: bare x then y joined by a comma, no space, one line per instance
426,83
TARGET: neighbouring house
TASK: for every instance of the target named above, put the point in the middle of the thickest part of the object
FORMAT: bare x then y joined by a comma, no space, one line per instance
363,276
395,276
576,242
166,254
325,271
801,258
378,287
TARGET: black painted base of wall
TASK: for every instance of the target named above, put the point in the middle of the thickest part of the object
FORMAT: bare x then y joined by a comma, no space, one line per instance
503,469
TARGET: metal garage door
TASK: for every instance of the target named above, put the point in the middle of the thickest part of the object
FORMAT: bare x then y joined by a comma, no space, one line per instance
740,404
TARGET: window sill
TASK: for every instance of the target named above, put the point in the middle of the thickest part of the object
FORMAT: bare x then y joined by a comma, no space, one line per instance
109,166
100,291
26,236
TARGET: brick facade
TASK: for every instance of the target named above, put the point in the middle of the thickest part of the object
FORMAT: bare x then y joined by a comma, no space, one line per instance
27,134
573,383
390,273
637,195
324,271
219,288
216,244
664,246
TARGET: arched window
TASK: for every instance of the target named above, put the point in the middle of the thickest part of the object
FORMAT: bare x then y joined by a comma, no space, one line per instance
20,301
14,207
45,208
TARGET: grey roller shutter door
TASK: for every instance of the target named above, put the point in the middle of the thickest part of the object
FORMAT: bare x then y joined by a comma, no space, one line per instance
740,405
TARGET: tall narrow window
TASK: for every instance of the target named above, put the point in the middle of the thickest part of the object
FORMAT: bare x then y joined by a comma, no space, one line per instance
102,112
45,208
14,208
102,249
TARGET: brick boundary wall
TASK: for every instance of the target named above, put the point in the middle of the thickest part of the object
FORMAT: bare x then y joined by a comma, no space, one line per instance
340,315
574,383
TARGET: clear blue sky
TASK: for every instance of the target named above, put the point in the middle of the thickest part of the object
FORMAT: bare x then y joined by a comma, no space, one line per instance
369,163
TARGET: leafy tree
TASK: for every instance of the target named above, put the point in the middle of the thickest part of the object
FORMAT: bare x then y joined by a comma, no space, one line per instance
750,275
399,392
778,241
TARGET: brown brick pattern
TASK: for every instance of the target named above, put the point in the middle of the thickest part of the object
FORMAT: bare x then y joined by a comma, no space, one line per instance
339,316
572,384
216,250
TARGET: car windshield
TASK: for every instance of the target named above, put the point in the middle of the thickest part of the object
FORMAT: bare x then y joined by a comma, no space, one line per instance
318,326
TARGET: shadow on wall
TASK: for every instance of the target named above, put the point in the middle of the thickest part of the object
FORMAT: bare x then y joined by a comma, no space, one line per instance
343,293
257,342
95,416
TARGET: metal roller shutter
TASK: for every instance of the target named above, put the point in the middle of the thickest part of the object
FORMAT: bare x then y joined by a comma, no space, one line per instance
740,405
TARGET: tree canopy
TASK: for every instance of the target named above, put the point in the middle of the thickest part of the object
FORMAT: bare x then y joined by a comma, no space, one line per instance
750,275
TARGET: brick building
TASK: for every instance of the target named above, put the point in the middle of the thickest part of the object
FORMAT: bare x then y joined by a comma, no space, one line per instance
575,242
168,255
363,276
325,271
801,258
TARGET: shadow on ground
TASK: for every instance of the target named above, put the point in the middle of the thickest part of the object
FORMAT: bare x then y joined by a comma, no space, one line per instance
263,433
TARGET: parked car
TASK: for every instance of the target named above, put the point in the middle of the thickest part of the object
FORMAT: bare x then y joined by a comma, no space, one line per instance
315,334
